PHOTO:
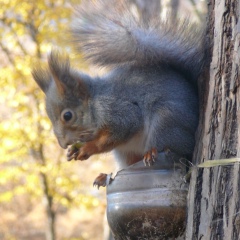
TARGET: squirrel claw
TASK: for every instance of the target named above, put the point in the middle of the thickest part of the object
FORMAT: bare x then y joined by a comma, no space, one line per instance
73,151
150,157
100,181
72,154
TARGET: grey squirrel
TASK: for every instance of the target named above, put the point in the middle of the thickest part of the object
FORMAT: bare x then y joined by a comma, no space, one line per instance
146,104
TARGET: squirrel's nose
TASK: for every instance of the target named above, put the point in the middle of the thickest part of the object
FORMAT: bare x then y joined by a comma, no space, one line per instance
63,143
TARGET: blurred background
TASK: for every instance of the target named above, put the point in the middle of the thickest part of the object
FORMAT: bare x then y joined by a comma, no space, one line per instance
42,196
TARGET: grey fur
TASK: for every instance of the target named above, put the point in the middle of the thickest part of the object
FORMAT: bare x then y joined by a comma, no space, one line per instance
147,100
158,106
42,77
109,34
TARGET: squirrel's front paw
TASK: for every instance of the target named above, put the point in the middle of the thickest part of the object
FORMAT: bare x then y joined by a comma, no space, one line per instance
87,150
82,155
73,151
150,157
82,151
77,155
76,151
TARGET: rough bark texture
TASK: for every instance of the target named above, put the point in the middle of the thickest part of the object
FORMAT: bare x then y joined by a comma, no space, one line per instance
214,196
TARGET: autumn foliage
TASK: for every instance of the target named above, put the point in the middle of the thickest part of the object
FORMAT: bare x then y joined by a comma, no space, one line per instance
37,184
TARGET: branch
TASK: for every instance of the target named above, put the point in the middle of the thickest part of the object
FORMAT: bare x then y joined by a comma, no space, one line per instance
7,53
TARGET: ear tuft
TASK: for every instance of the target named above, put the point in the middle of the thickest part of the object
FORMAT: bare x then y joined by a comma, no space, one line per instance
42,77
59,66
59,63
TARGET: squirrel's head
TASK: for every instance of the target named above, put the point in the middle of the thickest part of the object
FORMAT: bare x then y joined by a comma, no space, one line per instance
67,99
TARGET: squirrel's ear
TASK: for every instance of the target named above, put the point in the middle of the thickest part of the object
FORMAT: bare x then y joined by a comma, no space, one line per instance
80,87
67,79
59,66
42,77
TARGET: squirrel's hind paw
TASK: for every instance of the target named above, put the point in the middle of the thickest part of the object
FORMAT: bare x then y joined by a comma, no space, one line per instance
102,180
150,157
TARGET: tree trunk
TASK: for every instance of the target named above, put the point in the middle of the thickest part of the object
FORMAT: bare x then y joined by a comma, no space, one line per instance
50,213
214,199
47,196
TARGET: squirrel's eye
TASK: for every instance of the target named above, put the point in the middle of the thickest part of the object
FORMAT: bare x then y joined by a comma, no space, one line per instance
67,115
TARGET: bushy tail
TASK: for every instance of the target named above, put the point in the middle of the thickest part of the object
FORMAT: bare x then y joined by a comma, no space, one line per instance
110,34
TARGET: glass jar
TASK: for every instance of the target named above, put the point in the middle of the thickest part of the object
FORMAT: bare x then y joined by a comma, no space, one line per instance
147,203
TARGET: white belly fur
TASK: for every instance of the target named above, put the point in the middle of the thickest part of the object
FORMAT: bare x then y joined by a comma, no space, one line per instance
134,147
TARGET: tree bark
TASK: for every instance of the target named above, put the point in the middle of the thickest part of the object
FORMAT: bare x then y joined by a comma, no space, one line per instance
214,201
47,196
51,214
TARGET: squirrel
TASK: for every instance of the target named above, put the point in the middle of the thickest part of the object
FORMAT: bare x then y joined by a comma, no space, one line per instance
148,100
